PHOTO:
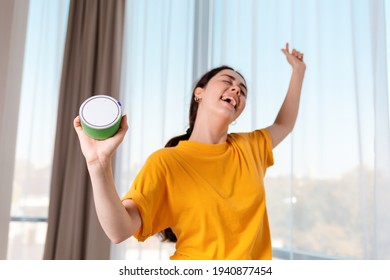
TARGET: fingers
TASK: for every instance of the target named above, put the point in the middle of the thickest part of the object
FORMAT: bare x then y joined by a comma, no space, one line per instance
124,126
77,124
124,122
294,52
297,54
121,131
286,51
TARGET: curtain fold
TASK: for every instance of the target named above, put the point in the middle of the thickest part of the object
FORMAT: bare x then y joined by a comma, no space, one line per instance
91,66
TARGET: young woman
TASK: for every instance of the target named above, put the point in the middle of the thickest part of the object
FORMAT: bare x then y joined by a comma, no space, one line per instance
205,188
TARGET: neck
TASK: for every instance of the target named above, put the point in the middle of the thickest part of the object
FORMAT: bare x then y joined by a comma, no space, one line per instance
209,132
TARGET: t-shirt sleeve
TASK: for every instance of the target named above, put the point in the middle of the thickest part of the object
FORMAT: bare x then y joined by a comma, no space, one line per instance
149,192
261,142
268,155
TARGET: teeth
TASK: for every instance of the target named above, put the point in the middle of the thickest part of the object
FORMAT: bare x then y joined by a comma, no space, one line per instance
230,100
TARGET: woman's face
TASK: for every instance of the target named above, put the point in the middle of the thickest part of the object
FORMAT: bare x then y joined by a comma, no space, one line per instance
224,95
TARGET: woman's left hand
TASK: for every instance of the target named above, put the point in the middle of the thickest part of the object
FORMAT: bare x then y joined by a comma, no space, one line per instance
295,58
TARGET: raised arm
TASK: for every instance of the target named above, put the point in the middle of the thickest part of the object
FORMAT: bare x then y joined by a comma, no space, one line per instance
118,220
285,120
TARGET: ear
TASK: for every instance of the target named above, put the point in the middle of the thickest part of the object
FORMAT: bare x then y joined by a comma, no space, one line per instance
198,92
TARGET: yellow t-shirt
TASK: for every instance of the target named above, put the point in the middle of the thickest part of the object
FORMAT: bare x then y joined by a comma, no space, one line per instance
211,195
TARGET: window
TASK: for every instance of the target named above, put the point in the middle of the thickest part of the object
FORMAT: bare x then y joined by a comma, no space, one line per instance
36,127
326,193
150,105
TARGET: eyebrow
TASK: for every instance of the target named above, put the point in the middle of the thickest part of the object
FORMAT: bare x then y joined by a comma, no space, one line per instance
231,77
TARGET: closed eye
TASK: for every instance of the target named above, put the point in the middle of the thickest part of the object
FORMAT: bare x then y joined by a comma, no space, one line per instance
228,82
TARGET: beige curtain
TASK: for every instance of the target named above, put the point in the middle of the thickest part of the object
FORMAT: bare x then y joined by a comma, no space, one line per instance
91,66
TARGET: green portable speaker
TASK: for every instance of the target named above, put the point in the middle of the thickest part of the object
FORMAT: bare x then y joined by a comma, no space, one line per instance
100,116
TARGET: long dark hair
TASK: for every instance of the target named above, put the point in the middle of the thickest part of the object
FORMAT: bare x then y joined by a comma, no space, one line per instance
167,234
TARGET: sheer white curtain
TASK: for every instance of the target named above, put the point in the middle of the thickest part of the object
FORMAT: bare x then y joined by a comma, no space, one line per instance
328,189
156,91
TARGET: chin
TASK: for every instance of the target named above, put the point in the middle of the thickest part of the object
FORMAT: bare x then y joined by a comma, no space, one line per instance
228,115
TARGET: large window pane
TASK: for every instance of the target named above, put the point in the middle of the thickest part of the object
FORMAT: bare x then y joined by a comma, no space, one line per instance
36,126
327,192
26,240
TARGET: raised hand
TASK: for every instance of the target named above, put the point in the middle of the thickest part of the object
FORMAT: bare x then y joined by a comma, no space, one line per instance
97,151
295,58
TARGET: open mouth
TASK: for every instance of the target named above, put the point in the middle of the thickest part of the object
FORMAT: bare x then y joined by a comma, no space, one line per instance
229,100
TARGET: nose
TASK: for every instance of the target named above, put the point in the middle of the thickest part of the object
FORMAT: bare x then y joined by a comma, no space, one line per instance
236,90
